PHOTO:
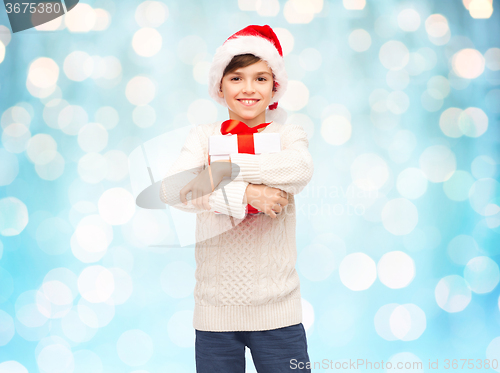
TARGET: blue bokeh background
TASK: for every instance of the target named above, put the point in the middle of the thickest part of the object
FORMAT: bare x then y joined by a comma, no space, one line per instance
397,233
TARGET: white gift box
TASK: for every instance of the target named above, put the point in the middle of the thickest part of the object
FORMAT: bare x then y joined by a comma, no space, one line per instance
221,146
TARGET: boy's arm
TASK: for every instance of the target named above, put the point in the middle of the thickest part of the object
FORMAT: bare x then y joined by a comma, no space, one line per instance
290,170
190,163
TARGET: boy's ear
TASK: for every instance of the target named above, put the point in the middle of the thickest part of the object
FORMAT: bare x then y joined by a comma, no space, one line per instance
221,95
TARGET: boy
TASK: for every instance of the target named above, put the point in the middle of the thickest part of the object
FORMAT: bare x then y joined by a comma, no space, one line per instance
247,290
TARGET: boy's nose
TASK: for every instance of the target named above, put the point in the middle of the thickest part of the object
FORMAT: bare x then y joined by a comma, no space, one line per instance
248,87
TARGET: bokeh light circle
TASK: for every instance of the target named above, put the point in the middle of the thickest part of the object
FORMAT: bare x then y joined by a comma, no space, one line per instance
296,96
2,51
436,25
96,284
17,114
92,168
468,63
409,20
13,216
51,170
55,358
407,322
151,13
92,137
438,163
482,274
482,194
116,206
123,286
12,366
78,66
448,122
95,315
107,116
42,149
396,269
117,165
492,57
399,216
5,35
473,122
398,102
336,130
140,90
91,238
87,361
71,119
7,329
15,137
483,166
394,55
180,329
357,271
411,183
147,42
43,72
438,87
82,18
102,21
452,293
457,187
360,40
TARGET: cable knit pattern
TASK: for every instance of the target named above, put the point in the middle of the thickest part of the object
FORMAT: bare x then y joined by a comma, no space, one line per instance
245,264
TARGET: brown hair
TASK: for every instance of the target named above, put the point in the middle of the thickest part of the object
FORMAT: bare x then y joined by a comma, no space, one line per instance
244,60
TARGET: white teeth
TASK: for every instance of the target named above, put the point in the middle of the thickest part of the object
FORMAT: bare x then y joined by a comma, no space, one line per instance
248,101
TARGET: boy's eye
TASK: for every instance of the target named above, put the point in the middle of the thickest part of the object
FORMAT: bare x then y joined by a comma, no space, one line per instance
264,79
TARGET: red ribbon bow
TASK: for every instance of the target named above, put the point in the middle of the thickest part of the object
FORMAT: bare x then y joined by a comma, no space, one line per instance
245,134
235,126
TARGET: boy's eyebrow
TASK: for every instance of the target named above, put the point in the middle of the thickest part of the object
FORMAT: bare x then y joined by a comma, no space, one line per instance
259,73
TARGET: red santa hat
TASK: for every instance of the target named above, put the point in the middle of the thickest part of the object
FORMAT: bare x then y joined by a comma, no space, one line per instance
262,42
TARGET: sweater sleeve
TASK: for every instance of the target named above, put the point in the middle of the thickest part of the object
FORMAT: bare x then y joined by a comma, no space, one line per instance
228,195
290,170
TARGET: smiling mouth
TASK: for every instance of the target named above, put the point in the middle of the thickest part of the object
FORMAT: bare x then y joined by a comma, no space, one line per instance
248,102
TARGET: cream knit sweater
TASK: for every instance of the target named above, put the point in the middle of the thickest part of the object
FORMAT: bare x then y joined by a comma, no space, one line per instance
245,265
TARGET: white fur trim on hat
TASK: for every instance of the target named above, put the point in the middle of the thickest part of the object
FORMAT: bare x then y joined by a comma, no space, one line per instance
256,45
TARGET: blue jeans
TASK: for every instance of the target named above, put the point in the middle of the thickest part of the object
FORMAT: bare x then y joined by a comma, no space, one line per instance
273,351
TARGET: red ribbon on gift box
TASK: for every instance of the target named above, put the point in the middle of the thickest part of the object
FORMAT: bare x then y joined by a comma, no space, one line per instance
245,141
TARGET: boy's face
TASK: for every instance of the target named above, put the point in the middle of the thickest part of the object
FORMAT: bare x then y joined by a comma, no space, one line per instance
254,82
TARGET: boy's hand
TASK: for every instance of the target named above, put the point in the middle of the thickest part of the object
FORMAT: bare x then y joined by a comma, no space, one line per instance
266,199
201,187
